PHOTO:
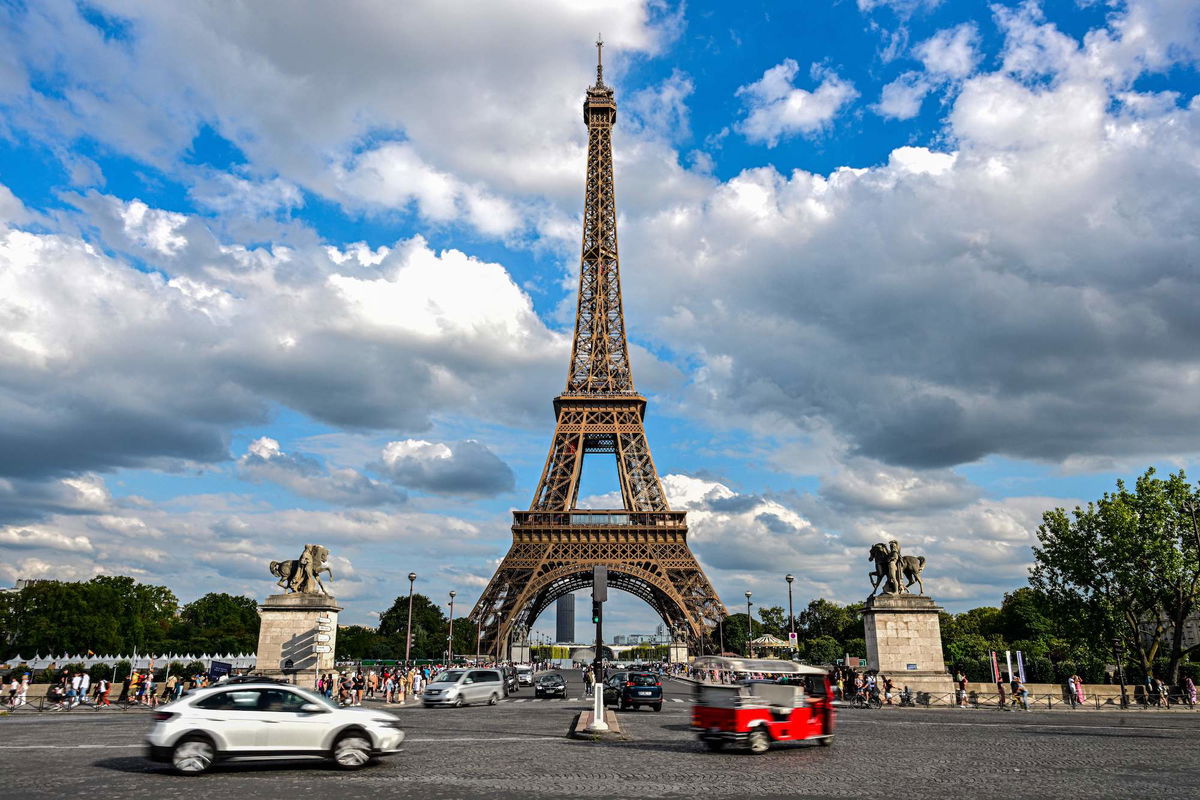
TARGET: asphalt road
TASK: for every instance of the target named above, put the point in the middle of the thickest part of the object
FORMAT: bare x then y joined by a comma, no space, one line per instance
518,749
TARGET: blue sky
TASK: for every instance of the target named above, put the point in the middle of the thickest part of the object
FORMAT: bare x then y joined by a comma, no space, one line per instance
891,267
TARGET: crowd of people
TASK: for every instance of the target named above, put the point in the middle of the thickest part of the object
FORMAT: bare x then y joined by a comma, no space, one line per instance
391,684
75,688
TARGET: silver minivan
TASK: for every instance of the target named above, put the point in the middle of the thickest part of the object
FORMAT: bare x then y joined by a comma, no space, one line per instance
458,687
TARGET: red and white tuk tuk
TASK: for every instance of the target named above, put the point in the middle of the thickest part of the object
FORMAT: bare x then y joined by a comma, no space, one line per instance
773,701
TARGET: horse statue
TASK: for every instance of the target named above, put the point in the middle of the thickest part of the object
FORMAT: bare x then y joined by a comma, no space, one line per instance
303,575
891,567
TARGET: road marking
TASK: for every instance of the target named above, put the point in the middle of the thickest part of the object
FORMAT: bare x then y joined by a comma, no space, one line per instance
522,700
68,746
676,700
1030,725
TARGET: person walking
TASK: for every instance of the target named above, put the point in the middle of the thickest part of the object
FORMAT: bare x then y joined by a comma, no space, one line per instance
1000,692
888,687
1020,692
1072,697
103,687
961,680
1080,697
1189,690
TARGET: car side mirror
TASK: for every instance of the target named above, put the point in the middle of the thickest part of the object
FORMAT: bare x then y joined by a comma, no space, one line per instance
313,708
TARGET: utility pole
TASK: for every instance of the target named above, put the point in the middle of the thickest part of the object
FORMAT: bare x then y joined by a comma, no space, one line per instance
412,576
749,628
599,595
450,636
791,616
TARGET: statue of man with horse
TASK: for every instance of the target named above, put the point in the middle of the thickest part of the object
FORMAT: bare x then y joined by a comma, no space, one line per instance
303,575
892,569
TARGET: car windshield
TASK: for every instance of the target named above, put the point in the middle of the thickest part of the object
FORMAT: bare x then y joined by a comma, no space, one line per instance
449,676
642,679
551,679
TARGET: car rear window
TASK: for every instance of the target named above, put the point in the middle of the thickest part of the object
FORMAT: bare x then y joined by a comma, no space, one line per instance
485,676
643,680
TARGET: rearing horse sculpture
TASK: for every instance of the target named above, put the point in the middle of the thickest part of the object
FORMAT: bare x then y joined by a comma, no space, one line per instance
908,567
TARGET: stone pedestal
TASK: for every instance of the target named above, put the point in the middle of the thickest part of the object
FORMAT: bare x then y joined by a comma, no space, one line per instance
904,642
297,636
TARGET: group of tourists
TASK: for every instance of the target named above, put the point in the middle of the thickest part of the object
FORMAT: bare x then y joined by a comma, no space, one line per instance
71,689
391,684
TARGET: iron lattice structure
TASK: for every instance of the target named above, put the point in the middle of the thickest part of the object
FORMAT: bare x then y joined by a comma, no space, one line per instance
644,543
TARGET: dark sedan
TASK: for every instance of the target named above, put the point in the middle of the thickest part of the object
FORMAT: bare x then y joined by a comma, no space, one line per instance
552,685
632,689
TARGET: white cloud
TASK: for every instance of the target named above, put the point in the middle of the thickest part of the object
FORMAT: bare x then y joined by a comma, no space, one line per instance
308,477
776,109
37,537
463,468
902,98
951,52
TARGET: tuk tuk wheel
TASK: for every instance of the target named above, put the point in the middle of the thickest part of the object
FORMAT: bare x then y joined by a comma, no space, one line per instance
760,742
714,745
826,741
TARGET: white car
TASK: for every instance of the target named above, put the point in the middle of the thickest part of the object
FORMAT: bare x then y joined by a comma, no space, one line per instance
458,687
524,675
267,720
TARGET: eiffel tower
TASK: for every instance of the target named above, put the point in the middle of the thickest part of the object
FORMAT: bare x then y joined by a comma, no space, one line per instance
555,544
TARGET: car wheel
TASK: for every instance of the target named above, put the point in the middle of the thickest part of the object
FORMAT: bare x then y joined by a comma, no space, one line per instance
193,756
352,751
457,702
714,745
657,706
495,698
759,741
826,741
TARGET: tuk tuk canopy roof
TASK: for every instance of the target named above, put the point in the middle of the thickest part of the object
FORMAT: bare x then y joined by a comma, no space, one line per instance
771,665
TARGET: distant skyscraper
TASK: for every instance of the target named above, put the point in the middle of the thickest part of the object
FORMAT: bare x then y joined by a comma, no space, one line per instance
564,631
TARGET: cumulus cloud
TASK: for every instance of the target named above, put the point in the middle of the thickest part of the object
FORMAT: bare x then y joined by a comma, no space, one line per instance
776,109
951,52
308,477
105,365
465,468
902,98
1027,294
362,88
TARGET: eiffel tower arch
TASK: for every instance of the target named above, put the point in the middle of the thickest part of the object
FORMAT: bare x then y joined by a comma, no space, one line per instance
643,543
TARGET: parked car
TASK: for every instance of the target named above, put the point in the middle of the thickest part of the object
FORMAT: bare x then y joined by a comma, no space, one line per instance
266,720
632,689
552,685
459,687
524,674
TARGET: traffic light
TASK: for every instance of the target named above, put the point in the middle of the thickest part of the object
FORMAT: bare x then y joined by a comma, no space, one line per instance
595,612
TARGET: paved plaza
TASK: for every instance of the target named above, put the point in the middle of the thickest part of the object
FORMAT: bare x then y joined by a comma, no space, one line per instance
518,749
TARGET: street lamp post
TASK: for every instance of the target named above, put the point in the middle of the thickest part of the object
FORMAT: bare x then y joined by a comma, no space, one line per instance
791,617
1120,672
412,576
721,633
450,636
749,628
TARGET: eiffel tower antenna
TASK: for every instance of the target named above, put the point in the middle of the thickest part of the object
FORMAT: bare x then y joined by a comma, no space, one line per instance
599,60
555,543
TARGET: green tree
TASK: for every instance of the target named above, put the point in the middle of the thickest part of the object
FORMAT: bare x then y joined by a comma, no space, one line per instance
823,649
1130,561
216,623
430,627
107,614
826,618
356,642
772,620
